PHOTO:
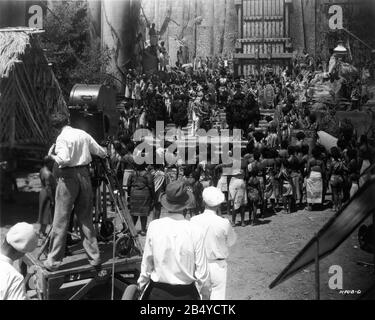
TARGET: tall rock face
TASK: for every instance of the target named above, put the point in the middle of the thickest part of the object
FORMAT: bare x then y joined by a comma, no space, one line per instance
95,18
224,26
119,26
205,27
205,31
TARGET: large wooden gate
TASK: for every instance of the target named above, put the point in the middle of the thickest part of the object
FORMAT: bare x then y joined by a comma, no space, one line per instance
264,34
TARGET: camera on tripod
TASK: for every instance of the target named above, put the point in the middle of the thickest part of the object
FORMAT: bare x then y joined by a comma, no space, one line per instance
92,108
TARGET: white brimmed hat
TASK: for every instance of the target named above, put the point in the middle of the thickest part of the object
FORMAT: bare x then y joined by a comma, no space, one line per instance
22,237
213,197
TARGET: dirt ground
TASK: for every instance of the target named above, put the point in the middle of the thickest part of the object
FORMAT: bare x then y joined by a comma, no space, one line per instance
260,254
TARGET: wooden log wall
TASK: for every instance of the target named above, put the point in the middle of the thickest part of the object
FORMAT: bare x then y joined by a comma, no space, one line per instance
264,32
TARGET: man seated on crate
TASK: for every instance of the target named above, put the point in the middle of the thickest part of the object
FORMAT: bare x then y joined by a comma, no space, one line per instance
20,239
72,153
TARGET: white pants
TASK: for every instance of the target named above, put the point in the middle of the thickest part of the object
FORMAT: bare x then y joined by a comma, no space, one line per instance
218,273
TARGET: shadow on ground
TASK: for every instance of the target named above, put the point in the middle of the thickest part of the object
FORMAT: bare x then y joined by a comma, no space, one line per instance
23,208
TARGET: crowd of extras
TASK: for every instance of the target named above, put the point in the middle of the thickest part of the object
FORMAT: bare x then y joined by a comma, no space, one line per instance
282,168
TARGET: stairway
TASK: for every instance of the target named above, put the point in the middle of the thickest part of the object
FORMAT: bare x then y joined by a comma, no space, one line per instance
263,124
190,140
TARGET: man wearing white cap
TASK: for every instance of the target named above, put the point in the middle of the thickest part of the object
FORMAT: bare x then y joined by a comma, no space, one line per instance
219,236
20,239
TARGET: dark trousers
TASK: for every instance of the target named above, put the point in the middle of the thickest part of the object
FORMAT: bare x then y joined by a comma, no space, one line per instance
143,222
165,291
73,190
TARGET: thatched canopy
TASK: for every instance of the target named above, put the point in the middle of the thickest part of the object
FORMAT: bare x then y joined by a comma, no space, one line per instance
29,91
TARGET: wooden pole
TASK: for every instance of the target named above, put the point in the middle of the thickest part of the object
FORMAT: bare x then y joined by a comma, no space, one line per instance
113,265
303,25
373,237
262,36
315,26
104,201
12,125
317,270
195,29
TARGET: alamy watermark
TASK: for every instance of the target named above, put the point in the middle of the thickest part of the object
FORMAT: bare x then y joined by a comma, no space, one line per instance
335,281
219,147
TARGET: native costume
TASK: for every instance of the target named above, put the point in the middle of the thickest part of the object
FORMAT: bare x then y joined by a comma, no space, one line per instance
254,189
271,190
128,165
179,112
237,186
141,193
314,182
296,177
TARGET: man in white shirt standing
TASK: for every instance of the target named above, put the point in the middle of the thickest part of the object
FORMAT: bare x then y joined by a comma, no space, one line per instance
174,264
219,236
20,239
72,154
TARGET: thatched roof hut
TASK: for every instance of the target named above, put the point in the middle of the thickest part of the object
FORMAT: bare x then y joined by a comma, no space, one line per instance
29,91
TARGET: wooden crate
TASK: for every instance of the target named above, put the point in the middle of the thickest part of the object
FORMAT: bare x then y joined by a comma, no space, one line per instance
76,277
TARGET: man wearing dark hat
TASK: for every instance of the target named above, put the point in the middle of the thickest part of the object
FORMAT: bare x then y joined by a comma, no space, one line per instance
174,264
219,236
20,239
72,153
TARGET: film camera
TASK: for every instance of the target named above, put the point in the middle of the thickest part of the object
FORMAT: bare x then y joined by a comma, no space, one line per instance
91,107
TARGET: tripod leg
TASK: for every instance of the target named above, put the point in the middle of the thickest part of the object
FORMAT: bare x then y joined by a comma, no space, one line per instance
45,244
97,208
104,195
120,204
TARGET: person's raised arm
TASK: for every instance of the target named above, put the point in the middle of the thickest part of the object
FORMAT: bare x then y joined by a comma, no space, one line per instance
95,148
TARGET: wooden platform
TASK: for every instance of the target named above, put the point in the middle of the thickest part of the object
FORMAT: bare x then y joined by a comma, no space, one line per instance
76,276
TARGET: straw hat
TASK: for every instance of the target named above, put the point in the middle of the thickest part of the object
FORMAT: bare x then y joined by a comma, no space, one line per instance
176,198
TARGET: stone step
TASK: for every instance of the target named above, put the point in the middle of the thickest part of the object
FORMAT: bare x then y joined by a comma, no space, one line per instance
267,111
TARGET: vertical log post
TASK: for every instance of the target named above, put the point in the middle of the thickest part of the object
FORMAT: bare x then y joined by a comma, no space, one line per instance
317,270
373,237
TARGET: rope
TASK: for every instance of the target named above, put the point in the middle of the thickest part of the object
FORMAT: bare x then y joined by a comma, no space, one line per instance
354,36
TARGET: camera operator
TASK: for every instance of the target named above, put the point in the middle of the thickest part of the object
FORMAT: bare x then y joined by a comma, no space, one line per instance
72,153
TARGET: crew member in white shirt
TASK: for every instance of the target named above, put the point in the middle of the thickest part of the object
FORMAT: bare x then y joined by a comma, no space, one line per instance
72,153
219,236
20,239
174,264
